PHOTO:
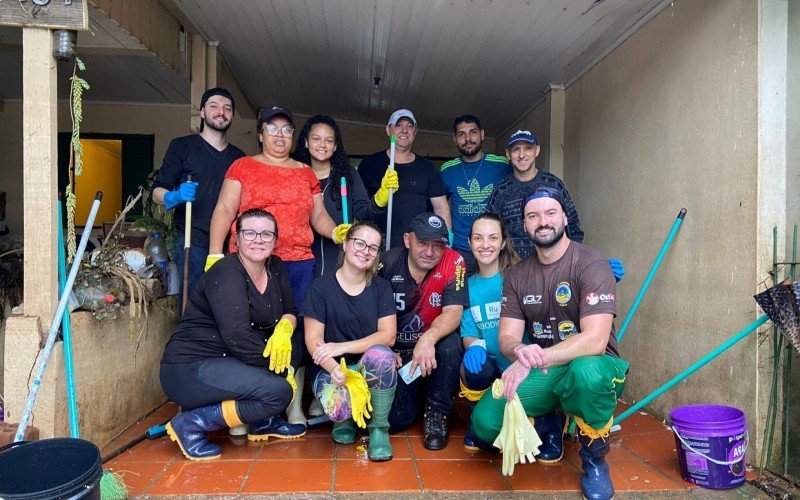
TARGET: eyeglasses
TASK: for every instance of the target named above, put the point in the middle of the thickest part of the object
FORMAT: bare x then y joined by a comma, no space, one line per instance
361,246
273,130
250,235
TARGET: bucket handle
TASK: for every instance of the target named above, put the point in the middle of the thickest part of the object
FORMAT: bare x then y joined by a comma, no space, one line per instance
718,462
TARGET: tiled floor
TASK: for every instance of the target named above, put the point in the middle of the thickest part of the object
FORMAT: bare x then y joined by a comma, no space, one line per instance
643,459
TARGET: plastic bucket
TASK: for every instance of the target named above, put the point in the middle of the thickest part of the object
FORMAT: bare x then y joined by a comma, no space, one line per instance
711,441
50,469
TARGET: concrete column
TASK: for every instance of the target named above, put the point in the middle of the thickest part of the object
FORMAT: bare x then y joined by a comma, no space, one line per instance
198,79
556,136
211,64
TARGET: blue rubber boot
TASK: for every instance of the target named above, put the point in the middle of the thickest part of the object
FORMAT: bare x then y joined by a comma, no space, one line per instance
596,481
550,428
275,427
189,428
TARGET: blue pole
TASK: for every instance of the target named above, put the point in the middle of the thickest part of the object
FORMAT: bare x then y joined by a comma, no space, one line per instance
693,368
66,330
652,273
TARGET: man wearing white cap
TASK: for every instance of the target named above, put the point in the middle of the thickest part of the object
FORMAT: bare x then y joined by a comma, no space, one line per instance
421,188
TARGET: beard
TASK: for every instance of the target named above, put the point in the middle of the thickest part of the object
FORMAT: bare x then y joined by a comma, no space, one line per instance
466,152
221,128
549,241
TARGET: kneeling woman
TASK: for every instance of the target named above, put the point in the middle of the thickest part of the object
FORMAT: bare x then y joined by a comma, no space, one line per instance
351,313
214,366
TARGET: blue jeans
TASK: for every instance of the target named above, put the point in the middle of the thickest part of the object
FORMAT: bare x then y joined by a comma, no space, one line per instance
197,263
301,274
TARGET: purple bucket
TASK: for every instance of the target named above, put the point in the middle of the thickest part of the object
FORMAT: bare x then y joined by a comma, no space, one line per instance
711,441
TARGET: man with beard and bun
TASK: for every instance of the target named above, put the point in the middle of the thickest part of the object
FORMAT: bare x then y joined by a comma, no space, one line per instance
562,298
206,157
469,181
430,293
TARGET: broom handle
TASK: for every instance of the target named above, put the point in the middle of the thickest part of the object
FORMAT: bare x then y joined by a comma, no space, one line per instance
649,278
187,248
72,404
44,356
694,367
391,196
345,208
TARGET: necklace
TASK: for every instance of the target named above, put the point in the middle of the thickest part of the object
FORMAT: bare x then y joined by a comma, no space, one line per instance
257,281
464,171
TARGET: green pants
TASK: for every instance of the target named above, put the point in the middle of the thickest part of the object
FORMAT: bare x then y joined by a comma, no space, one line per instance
587,388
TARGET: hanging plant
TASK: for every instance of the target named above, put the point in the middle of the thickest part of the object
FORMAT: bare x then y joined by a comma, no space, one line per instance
77,86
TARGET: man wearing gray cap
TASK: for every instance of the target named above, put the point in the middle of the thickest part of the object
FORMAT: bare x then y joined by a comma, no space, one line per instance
421,188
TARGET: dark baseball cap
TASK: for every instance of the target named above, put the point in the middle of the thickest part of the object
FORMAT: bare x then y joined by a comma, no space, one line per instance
429,226
217,91
523,136
542,192
269,113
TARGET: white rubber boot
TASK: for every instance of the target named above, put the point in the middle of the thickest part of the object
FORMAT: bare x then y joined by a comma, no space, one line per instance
294,413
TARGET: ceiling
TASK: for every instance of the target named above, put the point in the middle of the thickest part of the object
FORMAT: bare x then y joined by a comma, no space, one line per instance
439,58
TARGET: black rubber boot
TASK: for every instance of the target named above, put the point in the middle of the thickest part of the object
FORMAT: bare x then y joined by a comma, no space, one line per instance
189,429
596,481
550,428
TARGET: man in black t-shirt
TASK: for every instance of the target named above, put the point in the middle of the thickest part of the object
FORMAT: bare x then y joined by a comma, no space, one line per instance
429,287
562,297
206,157
421,187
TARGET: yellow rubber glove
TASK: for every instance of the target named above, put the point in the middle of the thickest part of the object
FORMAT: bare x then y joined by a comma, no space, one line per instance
279,346
517,439
389,181
211,260
340,233
360,397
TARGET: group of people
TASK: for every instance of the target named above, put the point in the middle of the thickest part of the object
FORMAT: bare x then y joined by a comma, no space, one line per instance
485,278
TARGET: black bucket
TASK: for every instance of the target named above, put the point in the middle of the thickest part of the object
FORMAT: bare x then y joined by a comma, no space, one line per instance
50,469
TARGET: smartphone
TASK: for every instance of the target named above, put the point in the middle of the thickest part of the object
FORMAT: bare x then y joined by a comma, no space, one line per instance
405,374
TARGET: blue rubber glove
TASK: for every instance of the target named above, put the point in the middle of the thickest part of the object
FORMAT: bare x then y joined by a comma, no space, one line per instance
475,356
185,193
450,238
617,268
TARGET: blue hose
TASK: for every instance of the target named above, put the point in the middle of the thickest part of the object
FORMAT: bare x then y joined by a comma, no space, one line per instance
66,330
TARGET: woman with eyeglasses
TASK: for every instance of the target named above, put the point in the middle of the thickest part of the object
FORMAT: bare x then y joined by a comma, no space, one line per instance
320,145
350,315
213,365
273,181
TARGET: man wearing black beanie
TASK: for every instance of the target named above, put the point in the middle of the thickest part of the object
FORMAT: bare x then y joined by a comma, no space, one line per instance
205,156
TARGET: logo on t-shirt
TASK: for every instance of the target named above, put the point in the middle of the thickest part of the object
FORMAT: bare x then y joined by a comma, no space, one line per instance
541,331
563,293
566,329
397,279
435,300
593,299
531,299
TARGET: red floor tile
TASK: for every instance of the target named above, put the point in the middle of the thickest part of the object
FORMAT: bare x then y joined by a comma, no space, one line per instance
289,476
158,450
539,477
640,423
461,475
183,477
314,448
671,469
237,447
453,451
164,412
137,476
141,426
358,450
653,446
640,476
364,476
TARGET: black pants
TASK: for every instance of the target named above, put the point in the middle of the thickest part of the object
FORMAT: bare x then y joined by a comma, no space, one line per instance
436,390
259,393
483,379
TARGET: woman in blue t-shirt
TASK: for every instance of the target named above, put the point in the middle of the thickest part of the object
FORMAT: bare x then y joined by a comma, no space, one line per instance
350,315
480,323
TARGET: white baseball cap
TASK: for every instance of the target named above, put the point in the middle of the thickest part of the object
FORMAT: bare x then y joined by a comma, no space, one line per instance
401,113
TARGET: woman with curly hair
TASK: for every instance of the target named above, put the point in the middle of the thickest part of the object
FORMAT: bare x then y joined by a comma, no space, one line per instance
319,144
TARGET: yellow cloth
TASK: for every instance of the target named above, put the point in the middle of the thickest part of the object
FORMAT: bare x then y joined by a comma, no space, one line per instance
340,233
279,346
470,394
517,439
389,181
360,397
211,260
291,380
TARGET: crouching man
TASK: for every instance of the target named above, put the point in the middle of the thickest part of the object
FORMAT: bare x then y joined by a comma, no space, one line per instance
562,298
428,283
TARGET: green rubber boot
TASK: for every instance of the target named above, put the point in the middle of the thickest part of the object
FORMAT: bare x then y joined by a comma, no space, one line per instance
344,432
380,448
